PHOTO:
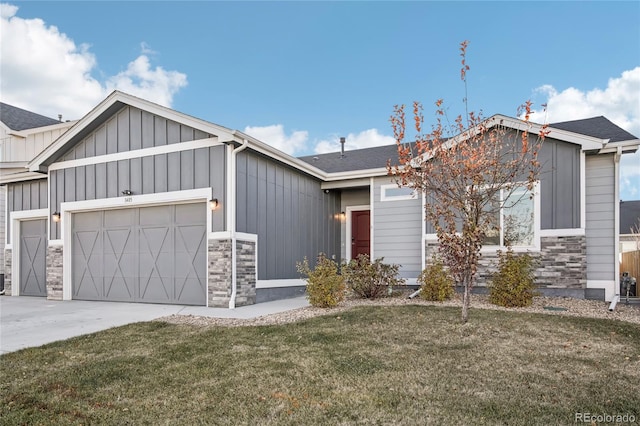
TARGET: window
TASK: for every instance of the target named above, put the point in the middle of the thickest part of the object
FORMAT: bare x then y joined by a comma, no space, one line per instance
395,193
514,221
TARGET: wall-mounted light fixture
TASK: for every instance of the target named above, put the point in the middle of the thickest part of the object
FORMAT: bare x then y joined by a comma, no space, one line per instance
343,216
127,192
213,204
56,217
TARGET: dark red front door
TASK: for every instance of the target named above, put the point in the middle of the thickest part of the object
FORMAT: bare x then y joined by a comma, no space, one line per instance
360,232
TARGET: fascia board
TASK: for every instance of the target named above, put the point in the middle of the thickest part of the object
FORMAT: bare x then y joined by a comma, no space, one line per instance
275,153
21,177
34,130
627,146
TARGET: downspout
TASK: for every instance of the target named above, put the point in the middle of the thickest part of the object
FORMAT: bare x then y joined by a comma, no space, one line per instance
616,222
231,220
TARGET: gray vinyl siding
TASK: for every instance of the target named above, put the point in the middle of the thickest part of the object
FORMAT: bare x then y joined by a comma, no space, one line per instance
351,197
292,216
27,195
600,217
130,129
559,185
397,231
190,169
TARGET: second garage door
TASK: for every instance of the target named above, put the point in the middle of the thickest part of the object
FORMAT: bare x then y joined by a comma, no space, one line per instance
148,254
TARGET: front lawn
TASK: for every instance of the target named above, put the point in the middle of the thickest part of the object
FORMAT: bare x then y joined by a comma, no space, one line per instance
370,365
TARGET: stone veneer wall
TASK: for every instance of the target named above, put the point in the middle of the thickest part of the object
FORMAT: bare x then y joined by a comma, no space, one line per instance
220,272
54,272
7,272
562,262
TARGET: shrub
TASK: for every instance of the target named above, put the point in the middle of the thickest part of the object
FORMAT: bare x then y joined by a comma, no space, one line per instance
371,280
436,284
325,288
513,285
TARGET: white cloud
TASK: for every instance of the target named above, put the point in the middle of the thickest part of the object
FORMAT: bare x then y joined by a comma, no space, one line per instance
619,102
275,136
365,139
56,76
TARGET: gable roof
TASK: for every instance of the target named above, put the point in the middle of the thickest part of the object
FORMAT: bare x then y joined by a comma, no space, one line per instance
591,133
599,127
20,119
629,216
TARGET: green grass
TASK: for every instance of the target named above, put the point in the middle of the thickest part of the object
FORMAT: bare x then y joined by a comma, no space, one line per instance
374,365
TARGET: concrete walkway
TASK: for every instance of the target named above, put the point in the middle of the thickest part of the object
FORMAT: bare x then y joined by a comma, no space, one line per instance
34,321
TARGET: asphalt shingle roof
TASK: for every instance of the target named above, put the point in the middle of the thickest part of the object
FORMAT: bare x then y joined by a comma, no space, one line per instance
598,127
19,119
376,157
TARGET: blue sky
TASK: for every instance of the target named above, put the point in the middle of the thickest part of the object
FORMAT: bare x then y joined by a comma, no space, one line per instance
301,74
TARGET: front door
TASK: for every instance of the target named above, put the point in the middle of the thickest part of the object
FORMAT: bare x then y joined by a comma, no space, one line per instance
360,233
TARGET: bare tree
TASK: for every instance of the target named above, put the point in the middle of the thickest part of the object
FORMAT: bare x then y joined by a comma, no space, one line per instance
471,171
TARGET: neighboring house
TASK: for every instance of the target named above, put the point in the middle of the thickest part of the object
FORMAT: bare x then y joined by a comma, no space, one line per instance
630,238
23,135
146,204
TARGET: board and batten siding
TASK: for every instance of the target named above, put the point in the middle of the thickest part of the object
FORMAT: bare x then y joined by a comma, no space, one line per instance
288,210
559,185
600,217
397,231
176,171
130,129
16,148
27,195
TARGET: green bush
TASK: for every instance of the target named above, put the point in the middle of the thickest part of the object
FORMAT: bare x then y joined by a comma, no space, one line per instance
513,285
436,284
371,280
325,288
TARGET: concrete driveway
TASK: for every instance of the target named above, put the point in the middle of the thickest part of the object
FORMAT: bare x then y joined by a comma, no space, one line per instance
34,321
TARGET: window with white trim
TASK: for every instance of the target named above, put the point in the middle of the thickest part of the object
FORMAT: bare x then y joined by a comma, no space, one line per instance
514,222
395,193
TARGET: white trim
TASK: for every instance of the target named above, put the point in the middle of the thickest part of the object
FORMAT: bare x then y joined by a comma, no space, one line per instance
136,153
348,223
144,200
616,216
372,201
15,219
431,237
566,232
56,243
21,177
34,130
583,190
296,282
609,287
384,197
423,233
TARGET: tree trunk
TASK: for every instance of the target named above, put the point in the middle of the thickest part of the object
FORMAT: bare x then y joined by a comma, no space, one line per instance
466,302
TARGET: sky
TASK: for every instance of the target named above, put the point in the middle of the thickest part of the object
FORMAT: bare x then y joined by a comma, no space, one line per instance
299,75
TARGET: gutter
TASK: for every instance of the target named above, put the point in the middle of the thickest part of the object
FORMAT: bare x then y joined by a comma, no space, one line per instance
616,219
614,302
231,218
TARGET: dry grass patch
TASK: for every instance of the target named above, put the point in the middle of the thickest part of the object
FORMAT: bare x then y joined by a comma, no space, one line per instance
411,364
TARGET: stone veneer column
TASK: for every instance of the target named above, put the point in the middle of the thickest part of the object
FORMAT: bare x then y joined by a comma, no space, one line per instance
221,270
54,272
245,272
562,262
7,272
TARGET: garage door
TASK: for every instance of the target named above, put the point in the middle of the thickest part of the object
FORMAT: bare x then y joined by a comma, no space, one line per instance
148,254
33,245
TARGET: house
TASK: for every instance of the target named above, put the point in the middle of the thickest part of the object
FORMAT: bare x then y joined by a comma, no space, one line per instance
23,135
147,204
630,238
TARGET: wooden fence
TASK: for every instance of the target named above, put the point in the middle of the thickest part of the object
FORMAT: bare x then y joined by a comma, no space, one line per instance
631,263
